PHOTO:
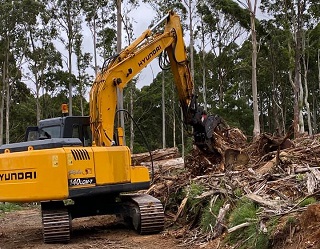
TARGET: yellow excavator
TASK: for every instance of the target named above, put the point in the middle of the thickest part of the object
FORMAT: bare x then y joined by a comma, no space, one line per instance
77,167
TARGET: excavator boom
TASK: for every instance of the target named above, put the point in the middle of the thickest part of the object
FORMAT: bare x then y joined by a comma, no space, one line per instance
131,61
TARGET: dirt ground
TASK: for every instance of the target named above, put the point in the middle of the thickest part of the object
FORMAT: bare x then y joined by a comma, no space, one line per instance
22,229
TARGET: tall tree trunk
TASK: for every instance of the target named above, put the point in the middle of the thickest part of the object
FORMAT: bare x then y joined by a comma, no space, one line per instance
131,122
191,39
314,112
7,107
319,67
182,134
256,128
37,98
119,91
94,31
305,60
204,87
70,35
298,95
6,88
295,123
174,118
163,114
4,70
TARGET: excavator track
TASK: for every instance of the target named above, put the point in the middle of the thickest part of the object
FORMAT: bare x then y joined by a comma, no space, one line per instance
147,214
56,225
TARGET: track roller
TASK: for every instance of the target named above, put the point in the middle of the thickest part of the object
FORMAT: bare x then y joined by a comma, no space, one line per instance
56,225
147,214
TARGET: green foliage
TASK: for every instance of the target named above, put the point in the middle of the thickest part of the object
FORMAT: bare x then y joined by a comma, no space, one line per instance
250,236
209,215
194,205
307,201
193,190
272,224
245,210
238,192
8,207
291,221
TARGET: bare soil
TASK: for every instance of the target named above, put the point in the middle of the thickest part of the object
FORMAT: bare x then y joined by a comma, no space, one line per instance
22,229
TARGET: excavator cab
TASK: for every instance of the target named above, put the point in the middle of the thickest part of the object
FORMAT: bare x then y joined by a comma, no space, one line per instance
62,127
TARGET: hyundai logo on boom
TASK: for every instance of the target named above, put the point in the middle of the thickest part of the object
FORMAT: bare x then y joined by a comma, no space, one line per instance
149,56
18,176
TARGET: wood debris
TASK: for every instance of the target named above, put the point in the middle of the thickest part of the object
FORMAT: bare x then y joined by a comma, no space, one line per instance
276,173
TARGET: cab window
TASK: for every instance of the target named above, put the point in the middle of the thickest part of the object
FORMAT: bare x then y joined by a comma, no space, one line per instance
76,131
50,132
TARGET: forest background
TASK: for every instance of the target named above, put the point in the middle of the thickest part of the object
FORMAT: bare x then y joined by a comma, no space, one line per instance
224,36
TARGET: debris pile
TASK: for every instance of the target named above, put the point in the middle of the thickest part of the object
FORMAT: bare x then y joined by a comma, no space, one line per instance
279,176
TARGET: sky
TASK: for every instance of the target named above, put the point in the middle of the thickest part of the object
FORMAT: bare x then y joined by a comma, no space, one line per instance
143,17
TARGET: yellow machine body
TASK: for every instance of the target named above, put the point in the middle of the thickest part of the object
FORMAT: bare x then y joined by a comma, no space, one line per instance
41,175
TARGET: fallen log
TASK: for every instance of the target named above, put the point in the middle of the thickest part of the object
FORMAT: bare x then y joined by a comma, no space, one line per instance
273,204
270,165
161,154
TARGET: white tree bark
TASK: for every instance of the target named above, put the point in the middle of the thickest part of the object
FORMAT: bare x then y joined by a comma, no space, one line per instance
204,87
256,128
163,114
119,91
7,106
173,118
190,10
182,135
2,102
131,122
305,69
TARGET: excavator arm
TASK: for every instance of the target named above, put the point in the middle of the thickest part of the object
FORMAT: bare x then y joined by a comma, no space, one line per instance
132,60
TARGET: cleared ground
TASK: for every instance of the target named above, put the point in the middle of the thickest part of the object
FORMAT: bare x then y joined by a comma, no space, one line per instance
22,229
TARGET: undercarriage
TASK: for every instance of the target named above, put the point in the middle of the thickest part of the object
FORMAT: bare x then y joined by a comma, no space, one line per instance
144,212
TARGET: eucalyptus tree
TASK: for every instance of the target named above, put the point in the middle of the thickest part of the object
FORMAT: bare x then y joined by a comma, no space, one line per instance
83,62
7,35
225,26
13,16
314,73
100,18
22,113
55,86
252,8
67,14
202,31
294,17
41,53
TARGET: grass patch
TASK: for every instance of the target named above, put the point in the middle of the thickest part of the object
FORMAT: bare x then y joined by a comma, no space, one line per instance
307,201
9,207
192,191
249,237
209,215
194,205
